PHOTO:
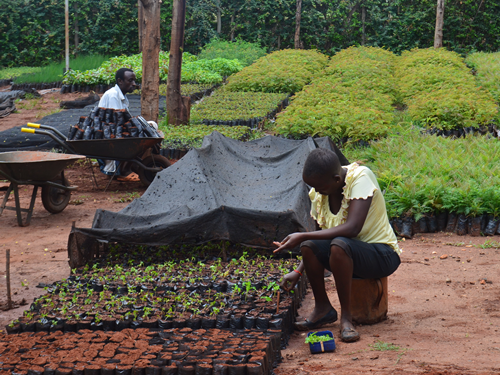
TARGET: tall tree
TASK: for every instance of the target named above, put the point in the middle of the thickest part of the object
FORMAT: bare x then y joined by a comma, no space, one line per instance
150,28
177,107
298,14
438,34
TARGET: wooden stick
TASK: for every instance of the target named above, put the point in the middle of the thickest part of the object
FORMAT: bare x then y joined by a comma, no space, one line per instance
9,299
278,304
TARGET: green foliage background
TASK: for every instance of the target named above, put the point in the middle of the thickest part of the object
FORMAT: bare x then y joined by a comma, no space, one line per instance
32,31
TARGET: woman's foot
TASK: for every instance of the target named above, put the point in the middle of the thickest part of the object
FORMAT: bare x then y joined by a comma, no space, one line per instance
347,332
307,325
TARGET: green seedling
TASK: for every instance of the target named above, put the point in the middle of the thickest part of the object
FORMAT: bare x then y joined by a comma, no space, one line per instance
313,339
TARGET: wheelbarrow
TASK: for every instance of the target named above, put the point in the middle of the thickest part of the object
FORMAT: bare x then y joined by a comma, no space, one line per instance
121,149
45,169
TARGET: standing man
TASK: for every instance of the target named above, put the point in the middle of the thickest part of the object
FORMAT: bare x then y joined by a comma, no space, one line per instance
115,98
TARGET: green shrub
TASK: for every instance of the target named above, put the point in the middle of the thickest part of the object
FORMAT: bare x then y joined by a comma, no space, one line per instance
353,100
187,89
487,67
440,91
245,52
286,71
423,174
193,70
226,106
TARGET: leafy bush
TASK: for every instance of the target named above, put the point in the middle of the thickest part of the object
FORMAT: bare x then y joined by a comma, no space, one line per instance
193,70
187,89
189,136
9,73
422,174
487,67
226,106
353,100
286,71
245,52
440,92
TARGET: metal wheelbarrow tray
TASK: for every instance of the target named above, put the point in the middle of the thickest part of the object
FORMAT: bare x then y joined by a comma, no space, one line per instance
45,169
121,149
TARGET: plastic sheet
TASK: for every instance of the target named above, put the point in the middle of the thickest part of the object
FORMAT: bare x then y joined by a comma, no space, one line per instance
250,193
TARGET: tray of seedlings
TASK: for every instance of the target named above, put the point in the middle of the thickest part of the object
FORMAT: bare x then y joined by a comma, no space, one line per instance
174,351
209,288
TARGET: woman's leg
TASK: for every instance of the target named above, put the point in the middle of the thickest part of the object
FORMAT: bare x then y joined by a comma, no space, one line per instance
314,270
342,269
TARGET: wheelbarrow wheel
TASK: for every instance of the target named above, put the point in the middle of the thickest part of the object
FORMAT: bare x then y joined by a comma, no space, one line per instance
55,199
152,161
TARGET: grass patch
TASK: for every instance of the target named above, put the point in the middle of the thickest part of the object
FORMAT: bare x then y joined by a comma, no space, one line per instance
54,72
9,73
382,346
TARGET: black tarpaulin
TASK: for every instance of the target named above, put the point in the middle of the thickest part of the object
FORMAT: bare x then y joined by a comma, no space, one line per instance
246,192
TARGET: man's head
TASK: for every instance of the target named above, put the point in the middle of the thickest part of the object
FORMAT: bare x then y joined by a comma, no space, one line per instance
125,79
322,171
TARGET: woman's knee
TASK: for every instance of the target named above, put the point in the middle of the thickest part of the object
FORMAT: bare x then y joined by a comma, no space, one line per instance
337,253
305,250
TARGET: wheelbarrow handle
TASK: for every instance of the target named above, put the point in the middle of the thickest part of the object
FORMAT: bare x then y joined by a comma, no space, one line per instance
51,135
40,126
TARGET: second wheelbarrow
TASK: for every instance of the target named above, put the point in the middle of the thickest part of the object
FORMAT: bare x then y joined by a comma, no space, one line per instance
45,169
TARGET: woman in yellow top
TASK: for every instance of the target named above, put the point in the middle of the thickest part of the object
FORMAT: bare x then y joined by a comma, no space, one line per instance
355,240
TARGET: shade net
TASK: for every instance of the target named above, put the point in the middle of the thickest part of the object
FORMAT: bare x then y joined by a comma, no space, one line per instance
245,192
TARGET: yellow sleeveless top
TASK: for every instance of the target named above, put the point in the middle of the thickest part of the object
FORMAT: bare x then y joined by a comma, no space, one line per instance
360,183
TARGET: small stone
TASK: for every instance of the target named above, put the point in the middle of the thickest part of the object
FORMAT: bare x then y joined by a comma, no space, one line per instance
434,252
472,282
426,259
448,280
354,358
482,282
444,256
301,363
374,357
468,260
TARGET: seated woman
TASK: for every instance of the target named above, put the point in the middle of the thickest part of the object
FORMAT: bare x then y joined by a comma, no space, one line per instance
356,239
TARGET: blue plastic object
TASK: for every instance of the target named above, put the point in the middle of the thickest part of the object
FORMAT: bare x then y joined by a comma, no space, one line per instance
322,346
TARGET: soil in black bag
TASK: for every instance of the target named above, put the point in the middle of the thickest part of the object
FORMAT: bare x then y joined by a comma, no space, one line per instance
108,370
452,223
442,221
236,322
220,369
249,321
169,370
262,322
34,372
406,228
208,323
491,226
255,369
474,228
222,321
432,224
203,369
49,371
461,228
420,226
152,370
194,323
186,370
123,370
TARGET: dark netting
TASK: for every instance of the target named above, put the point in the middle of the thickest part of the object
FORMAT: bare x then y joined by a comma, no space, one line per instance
246,192
14,140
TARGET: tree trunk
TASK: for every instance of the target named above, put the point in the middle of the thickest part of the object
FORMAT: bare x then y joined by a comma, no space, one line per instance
219,21
438,35
297,24
76,29
140,17
150,92
177,108
363,18
232,27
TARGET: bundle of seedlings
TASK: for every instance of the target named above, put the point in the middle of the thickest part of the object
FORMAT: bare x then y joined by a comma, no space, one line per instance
108,123
437,184
141,351
442,95
486,68
238,108
351,102
285,71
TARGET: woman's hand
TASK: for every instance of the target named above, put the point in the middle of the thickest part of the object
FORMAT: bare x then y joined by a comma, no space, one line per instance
290,280
290,241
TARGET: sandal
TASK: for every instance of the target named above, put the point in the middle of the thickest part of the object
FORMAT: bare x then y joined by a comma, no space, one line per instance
349,335
307,325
